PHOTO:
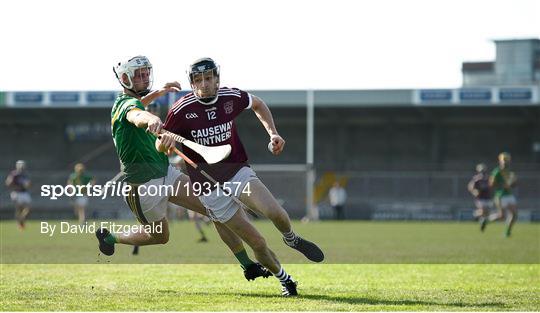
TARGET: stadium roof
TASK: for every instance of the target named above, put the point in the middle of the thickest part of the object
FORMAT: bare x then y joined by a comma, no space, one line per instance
478,96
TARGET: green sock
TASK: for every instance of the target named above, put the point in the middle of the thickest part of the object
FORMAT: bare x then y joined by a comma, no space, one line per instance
243,258
110,239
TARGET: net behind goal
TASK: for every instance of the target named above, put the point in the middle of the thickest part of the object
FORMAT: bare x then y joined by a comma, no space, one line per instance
287,182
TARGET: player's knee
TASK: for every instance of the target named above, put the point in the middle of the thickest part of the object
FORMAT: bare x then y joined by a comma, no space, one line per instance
165,236
276,213
161,238
272,214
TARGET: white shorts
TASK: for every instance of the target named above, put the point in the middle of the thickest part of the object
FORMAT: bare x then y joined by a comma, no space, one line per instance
507,201
21,197
484,203
220,207
81,201
149,201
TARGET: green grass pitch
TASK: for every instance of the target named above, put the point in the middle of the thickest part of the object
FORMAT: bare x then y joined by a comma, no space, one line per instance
370,266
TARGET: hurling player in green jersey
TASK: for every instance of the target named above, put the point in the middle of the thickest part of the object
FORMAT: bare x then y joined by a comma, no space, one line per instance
502,180
80,201
134,132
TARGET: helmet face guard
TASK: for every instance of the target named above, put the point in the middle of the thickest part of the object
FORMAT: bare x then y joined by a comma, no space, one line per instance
136,75
481,168
204,79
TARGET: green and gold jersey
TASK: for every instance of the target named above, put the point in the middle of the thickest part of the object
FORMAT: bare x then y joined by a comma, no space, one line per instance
140,161
501,179
80,180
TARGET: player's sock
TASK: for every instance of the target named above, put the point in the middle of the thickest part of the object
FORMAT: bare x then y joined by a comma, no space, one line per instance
282,276
483,222
110,239
289,236
507,231
243,258
203,237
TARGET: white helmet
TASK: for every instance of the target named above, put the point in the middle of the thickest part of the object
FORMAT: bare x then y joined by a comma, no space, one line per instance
20,165
129,67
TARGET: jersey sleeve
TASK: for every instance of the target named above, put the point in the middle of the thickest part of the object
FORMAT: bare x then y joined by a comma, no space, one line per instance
71,179
246,100
127,106
172,122
476,182
497,177
495,173
242,103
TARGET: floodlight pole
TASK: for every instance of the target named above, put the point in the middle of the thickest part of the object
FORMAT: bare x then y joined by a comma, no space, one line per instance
311,209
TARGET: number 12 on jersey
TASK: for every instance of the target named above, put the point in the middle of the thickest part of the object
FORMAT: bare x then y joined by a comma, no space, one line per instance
211,115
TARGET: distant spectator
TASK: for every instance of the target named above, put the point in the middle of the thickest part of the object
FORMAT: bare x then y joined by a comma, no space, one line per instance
338,197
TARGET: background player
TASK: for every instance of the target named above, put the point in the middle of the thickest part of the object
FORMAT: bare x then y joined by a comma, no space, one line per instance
19,183
479,187
80,178
502,180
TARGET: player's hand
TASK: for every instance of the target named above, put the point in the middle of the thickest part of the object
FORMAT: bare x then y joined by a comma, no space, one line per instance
170,87
475,193
154,125
278,143
165,143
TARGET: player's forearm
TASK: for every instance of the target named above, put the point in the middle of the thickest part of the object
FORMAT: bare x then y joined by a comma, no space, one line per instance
149,98
265,116
140,118
470,187
168,87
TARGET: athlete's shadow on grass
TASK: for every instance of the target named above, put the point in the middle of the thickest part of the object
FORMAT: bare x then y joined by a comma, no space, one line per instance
375,301
349,300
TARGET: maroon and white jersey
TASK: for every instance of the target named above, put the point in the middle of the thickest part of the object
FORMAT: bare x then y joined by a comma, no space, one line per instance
481,183
19,181
211,125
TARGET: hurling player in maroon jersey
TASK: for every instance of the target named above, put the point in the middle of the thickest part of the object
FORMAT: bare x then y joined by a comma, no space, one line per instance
206,116
479,187
19,182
